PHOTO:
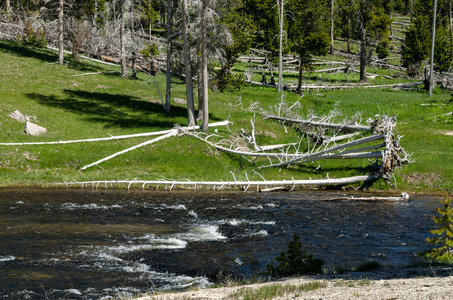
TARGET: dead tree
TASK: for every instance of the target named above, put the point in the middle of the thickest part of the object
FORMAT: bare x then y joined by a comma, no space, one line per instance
61,32
187,66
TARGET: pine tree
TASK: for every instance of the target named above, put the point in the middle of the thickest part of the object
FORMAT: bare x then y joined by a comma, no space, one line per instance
295,261
444,234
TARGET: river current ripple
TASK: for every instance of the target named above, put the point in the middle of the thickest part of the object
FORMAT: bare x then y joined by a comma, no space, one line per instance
94,244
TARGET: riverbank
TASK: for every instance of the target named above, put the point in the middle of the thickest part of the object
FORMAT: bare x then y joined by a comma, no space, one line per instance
404,283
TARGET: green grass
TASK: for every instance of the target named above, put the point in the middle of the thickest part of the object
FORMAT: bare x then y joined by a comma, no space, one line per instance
276,290
105,104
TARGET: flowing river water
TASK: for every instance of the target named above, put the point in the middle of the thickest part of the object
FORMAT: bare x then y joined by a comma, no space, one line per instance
93,244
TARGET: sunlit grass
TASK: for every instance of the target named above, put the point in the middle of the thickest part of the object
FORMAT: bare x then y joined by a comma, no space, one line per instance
79,107
277,290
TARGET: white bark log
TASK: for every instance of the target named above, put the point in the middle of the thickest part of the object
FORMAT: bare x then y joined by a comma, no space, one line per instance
221,184
317,155
118,137
357,127
172,132
404,197
346,155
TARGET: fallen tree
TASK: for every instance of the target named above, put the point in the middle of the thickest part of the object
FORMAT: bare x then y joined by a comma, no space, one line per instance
171,184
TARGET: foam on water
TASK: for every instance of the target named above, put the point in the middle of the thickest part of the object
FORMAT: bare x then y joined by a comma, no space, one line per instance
7,258
236,222
177,207
202,233
91,206
260,233
193,214
153,243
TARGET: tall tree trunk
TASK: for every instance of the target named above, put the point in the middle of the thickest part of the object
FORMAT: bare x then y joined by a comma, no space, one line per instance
123,48
168,88
280,56
349,34
299,85
74,39
391,25
61,32
331,25
200,80
150,24
8,6
204,62
132,15
134,69
363,58
187,66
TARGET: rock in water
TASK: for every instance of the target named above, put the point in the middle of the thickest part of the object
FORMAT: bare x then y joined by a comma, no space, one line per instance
33,129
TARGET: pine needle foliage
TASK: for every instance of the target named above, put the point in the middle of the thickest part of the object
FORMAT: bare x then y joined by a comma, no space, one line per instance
295,261
444,234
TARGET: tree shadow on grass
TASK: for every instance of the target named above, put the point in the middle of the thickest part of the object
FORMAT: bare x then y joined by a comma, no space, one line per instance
114,110
45,55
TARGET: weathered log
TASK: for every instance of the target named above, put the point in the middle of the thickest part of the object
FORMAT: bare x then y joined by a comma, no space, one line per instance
317,155
357,127
222,184
172,132
353,154
404,197
118,137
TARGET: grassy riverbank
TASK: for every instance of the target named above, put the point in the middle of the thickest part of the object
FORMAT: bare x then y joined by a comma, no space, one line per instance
80,107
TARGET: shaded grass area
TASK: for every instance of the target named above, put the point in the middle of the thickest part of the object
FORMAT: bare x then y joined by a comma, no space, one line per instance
104,104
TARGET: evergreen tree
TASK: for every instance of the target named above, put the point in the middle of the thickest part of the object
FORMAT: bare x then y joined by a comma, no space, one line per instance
307,30
444,234
417,44
295,261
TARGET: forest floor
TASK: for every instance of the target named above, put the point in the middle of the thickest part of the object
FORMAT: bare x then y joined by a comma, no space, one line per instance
404,283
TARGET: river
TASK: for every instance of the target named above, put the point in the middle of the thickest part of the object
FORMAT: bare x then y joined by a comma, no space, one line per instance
99,244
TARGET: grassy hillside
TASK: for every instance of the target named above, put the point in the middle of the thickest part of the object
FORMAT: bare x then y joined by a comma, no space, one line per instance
80,107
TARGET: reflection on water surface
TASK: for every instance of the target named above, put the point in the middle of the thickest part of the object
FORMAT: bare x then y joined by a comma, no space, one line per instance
91,244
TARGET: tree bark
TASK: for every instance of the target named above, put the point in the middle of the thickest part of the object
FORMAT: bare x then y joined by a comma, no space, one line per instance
221,184
168,86
123,48
74,40
331,25
200,81
8,6
349,34
61,32
280,56
204,63
187,66
363,58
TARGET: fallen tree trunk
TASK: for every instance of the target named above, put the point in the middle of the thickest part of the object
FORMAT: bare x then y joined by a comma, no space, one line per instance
352,86
320,154
356,127
221,184
346,155
118,137
404,197
171,132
